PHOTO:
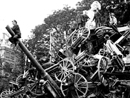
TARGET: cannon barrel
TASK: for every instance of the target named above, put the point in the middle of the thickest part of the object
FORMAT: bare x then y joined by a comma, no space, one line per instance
46,76
126,34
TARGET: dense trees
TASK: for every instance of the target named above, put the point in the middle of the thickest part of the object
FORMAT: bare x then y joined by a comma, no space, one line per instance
54,25
59,22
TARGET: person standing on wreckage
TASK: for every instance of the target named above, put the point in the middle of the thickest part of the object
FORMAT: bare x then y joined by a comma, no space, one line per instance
87,20
95,7
90,19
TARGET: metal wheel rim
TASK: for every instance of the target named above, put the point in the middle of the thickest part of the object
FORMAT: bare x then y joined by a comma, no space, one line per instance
79,31
66,67
6,93
80,85
100,76
33,88
18,78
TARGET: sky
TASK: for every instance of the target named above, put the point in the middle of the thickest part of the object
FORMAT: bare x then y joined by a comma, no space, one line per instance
29,13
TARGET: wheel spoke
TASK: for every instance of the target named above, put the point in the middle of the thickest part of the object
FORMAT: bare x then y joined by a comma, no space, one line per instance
68,65
83,84
65,67
77,93
33,87
59,74
30,85
63,63
32,81
71,69
80,91
65,89
78,80
83,87
67,74
60,65
36,74
64,76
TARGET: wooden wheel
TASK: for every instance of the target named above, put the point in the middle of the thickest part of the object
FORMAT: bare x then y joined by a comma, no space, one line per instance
36,87
78,33
19,78
66,67
102,67
32,84
77,88
6,93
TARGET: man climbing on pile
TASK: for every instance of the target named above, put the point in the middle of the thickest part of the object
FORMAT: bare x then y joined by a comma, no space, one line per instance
17,32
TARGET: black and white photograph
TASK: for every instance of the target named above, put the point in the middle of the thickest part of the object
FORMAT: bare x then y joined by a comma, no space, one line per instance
64,48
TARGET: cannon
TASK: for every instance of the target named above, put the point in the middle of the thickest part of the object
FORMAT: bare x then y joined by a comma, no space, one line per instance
85,72
53,87
99,66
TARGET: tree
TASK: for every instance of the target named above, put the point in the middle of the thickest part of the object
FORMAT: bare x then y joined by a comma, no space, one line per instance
58,22
61,19
38,44
121,11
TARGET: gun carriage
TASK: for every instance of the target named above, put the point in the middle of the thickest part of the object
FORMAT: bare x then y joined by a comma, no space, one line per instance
92,61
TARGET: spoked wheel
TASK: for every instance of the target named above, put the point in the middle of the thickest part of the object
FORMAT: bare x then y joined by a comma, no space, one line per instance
18,79
77,88
6,93
34,84
102,67
76,35
66,67
36,87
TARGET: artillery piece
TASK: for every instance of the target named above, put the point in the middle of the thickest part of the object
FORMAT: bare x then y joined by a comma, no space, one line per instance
78,75
53,88
97,65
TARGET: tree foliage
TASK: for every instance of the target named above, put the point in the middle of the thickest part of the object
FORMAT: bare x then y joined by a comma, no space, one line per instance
121,11
60,19
38,44
59,22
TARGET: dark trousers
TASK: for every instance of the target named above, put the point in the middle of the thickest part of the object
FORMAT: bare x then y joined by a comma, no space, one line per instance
14,40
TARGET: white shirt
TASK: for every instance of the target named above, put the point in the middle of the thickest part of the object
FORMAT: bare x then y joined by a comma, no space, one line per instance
113,20
91,24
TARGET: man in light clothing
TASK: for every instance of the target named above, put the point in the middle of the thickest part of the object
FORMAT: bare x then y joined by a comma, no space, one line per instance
95,7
